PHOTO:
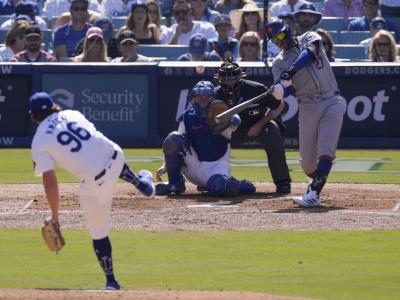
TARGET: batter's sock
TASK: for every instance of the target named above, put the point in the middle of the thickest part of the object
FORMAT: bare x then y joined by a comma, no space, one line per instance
128,175
103,250
321,174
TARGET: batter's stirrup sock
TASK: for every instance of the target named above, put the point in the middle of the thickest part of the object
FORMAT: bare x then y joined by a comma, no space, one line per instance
318,183
103,250
324,165
128,175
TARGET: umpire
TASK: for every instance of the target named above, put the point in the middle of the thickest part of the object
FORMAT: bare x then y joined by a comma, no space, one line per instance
233,88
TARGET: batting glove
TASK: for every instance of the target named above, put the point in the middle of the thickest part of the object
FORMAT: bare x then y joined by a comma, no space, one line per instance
235,120
288,74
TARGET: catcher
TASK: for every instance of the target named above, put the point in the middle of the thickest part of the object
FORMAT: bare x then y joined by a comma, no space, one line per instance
200,149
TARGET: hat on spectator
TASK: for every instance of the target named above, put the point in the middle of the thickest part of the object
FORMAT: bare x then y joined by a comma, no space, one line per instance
308,8
286,15
86,2
23,17
40,102
33,30
222,19
236,14
378,23
373,2
106,26
94,32
27,8
125,36
137,3
198,44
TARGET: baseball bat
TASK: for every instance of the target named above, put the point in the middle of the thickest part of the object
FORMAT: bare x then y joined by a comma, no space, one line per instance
240,107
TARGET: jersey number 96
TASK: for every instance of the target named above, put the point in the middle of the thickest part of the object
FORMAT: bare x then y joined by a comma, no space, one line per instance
74,136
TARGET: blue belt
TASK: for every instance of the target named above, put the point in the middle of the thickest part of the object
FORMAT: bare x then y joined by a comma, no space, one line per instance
103,172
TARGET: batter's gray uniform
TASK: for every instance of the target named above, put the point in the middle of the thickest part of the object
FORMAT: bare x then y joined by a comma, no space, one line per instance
321,108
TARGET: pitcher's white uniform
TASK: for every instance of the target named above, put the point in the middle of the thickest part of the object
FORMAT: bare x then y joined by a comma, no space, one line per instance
68,139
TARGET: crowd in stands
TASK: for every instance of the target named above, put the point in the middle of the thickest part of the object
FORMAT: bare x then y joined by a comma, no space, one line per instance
212,30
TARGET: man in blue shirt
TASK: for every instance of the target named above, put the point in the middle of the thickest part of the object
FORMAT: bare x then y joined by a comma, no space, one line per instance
198,50
68,36
363,23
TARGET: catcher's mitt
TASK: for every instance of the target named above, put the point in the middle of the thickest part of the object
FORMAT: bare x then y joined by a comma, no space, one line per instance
52,235
214,109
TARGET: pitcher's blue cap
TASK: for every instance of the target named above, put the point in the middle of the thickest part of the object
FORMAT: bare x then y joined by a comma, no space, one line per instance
39,102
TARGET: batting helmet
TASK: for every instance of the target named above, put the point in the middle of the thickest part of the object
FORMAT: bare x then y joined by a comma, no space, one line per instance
203,88
275,28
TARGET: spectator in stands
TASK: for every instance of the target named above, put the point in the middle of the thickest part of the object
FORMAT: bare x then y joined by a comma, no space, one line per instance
248,18
224,45
286,6
7,7
377,24
343,8
154,11
307,17
390,8
128,47
139,23
370,8
201,11
198,50
383,47
33,52
290,20
55,8
26,8
250,47
327,43
116,8
14,41
94,47
68,36
181,32
225,6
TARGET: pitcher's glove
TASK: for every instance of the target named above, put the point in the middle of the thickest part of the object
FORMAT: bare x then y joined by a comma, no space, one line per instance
52,235
215,108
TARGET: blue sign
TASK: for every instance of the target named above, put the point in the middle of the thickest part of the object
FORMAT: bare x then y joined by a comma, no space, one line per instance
117,104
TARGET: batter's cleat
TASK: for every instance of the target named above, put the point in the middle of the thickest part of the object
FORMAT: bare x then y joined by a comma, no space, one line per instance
163,189
146,185
112,286
310,199
246,187
283,189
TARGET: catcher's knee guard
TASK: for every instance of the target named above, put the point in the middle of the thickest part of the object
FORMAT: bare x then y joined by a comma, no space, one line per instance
174,143
223,186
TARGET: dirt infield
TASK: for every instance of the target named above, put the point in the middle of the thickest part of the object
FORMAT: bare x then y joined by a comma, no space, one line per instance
344,207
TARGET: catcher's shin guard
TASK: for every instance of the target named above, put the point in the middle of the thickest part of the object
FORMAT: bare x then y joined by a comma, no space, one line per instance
173,148
223,186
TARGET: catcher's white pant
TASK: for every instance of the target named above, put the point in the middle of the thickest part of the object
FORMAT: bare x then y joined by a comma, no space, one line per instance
198,172
95,197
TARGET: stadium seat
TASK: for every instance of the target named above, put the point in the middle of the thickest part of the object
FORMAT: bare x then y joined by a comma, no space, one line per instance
331,23
118,22
171,52
353,37
353,52
335,36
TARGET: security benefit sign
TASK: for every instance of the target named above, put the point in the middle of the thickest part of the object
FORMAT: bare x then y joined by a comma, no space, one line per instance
14,118
117,104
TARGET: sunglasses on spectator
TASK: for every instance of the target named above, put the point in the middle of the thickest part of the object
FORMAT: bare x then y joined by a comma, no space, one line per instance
382,44
79,8
250,13
33,38
249,44
280,37
181,12
128,43
152,12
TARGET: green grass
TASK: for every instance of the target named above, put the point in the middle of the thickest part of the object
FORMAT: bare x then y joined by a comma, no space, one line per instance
322,264
17,166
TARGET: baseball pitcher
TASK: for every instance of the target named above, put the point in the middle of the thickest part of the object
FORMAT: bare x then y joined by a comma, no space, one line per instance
67,139
303,66
200,150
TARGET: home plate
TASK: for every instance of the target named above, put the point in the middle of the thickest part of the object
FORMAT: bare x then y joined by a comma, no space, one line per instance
212,205
397,206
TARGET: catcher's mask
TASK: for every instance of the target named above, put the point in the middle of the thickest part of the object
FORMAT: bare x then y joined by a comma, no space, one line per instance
279,33
229,76
202,94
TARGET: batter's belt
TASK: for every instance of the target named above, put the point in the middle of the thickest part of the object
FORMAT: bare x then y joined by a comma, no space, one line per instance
318,97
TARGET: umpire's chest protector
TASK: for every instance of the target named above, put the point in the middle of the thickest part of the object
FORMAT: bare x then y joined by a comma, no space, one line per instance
208,146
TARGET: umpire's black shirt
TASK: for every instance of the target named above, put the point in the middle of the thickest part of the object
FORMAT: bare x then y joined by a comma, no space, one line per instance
248,90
